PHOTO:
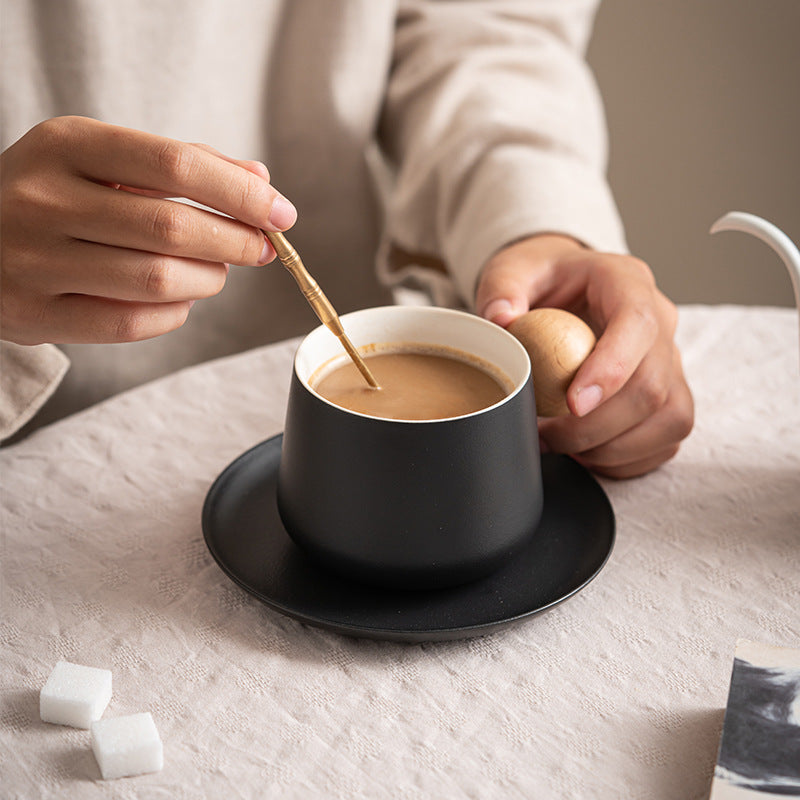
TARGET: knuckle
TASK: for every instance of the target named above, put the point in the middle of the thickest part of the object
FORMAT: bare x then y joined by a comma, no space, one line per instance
23,198
18,200
670,311
58,137
175,160
250,189
684,426
616,373
55,132
653,392
248,253
35,203
681,421
641,269
158,279
130,325
647,320
170,225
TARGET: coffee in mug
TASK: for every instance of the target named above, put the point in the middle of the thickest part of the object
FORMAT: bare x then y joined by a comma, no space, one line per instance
416,383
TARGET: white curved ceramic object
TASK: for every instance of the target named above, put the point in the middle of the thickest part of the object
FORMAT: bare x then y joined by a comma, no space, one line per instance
769,233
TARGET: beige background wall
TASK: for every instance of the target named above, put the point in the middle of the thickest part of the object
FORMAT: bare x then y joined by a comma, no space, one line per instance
703,105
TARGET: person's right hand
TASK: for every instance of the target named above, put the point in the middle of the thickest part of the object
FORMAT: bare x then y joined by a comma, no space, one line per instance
91,249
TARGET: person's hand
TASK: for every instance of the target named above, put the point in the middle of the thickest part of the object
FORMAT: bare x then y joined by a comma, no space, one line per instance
631,406
92,249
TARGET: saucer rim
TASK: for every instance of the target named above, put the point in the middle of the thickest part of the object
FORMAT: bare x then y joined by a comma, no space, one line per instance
379,632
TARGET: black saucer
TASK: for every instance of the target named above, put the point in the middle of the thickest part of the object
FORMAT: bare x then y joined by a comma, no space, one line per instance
245,535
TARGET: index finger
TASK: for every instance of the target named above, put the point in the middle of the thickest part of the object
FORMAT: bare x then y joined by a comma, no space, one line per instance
628,337
114,154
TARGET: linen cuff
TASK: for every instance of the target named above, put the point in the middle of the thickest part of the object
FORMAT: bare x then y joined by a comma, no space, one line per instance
518,192
28,376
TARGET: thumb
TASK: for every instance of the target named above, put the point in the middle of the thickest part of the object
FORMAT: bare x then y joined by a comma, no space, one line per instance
519,275
502,293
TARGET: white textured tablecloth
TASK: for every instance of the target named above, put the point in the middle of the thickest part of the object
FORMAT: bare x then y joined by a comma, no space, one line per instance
617,693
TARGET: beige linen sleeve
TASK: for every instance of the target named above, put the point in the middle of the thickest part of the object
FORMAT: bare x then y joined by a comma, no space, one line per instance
495,131
28,376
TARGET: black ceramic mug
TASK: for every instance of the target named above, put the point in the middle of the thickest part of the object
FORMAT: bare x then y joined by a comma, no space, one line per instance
414,504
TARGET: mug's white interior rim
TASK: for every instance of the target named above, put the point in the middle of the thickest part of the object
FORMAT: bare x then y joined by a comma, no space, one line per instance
417,325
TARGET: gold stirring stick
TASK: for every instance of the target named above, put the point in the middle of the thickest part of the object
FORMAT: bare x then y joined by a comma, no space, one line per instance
316,299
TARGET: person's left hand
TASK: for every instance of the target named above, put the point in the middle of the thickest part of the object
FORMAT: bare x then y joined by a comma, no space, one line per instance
631,406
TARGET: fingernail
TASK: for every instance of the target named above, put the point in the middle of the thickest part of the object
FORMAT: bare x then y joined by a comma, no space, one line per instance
283,214
587,399
498,310
267,253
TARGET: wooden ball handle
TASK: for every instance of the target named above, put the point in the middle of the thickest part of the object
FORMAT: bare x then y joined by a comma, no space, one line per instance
558,343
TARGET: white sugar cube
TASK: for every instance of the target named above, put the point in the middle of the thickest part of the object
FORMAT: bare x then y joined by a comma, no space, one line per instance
75,695
125,746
